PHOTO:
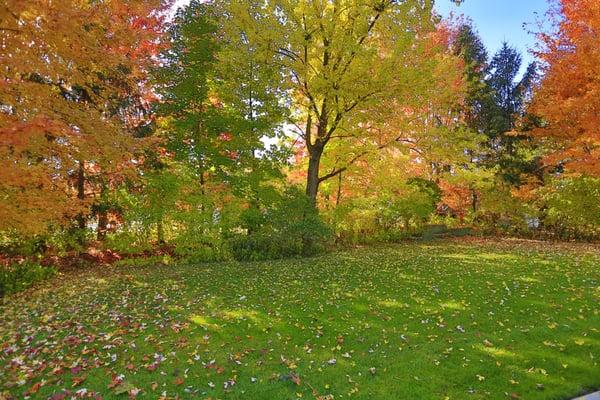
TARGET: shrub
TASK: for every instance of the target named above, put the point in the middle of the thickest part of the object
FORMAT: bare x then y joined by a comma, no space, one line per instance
571,208
284,226
17,277
389,218
501,213
14,244
66,240
196,247
128,242
263,246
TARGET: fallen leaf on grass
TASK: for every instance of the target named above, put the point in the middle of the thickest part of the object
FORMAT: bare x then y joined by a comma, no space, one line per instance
124,387
78,380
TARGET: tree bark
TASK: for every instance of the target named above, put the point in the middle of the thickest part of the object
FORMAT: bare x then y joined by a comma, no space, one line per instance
312,177
202,191
102,223
474,200
339,190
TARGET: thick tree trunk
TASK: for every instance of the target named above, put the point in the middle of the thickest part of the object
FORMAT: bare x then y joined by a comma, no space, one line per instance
312,178
312,186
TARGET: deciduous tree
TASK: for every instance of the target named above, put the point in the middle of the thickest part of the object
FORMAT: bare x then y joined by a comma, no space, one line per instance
217,108
568,99
72,90
340,60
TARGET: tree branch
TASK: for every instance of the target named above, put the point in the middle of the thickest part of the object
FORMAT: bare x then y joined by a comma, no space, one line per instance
338,171
353,160
289,54
9,29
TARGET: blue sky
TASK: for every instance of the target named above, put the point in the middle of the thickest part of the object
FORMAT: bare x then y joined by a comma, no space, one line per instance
500,20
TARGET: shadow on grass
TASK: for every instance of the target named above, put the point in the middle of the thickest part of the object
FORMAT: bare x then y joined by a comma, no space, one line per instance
395,322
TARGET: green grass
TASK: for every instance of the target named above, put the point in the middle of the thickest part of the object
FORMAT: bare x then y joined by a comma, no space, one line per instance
417,321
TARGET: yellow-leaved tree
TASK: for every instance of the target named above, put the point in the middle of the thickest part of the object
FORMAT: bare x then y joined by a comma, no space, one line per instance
346,63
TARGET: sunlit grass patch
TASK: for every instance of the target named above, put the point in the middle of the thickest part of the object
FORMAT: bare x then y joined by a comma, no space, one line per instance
403,321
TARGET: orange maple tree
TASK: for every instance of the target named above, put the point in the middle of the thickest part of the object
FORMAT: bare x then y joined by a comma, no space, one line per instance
72,89
568,98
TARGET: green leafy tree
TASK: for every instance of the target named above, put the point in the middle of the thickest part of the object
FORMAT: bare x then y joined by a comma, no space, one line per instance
479,99
216,111
570,206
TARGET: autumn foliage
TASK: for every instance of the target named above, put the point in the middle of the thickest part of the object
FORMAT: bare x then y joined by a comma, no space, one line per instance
192,129
72,91
569,97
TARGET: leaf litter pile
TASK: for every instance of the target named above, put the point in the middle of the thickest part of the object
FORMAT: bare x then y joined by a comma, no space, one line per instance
447,320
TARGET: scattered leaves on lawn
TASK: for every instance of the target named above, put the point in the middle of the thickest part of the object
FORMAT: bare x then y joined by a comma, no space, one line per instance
491,318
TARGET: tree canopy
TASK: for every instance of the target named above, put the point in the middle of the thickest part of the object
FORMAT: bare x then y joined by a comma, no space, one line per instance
133,122
568,97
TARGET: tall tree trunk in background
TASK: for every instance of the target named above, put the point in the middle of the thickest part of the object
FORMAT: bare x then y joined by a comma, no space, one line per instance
339,190
81,220
102,213
102,223
202,182
474,200
436,172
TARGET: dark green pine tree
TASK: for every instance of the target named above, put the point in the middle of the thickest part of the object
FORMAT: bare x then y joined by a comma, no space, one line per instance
496,104
479,100
507,139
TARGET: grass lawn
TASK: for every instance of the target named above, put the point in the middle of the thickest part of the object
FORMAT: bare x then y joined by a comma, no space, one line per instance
443,320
